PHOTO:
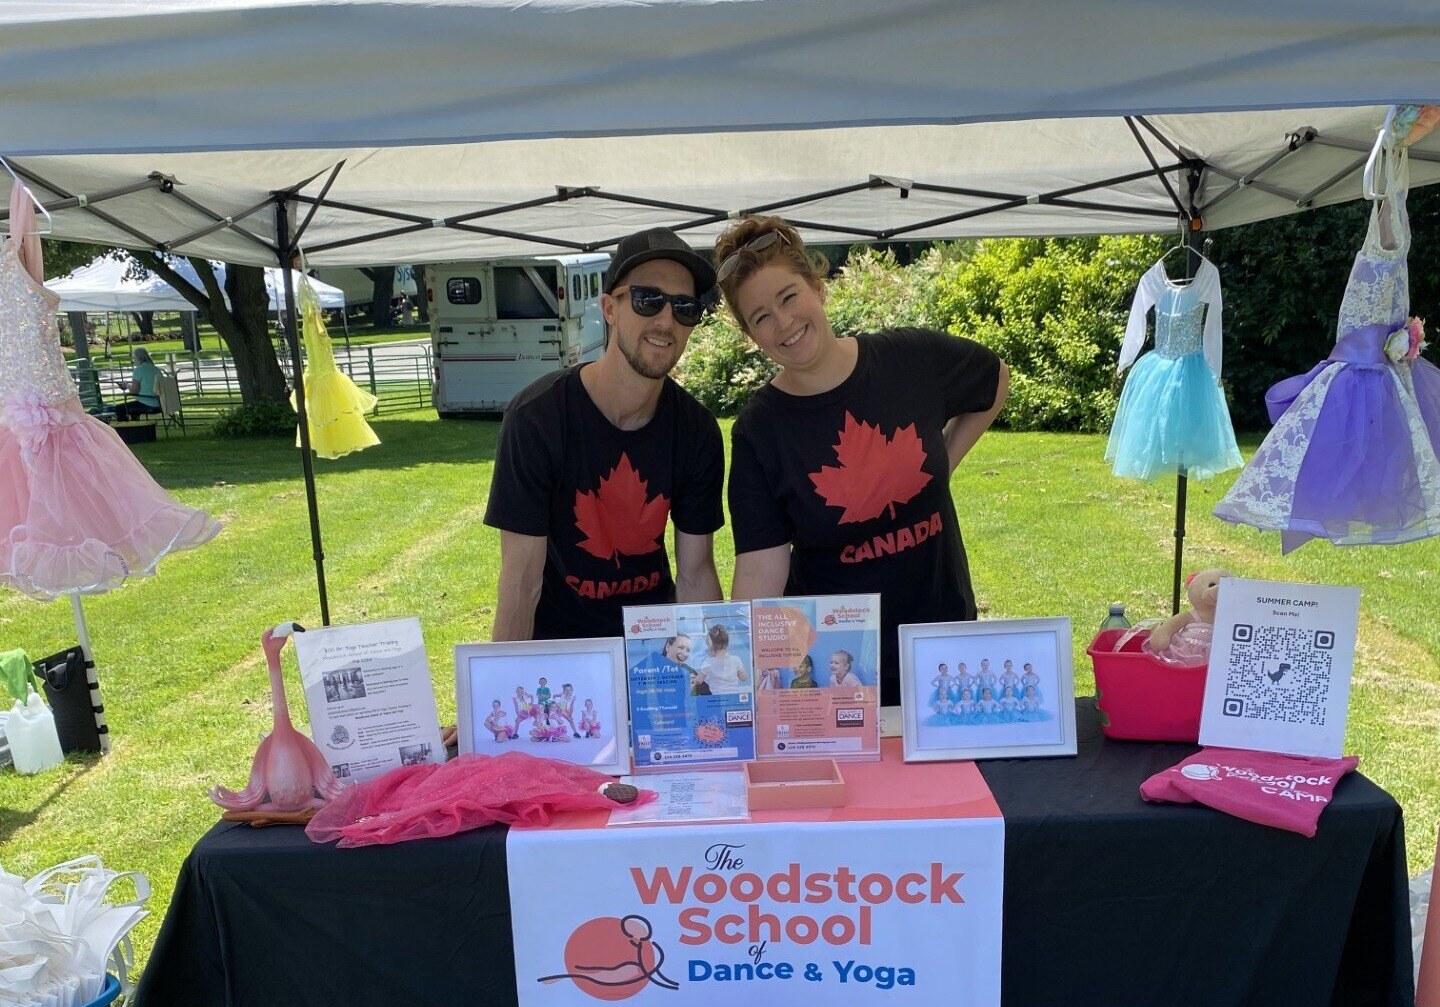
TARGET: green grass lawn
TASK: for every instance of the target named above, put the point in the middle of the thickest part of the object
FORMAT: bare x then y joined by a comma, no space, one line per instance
1048,530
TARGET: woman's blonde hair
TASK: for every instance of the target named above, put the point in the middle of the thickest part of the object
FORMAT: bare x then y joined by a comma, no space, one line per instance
788,249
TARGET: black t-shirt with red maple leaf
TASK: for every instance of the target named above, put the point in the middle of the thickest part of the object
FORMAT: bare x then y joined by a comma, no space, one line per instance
856,480
602,497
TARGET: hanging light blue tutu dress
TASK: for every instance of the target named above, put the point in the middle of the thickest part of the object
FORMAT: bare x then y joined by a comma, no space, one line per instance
1172,418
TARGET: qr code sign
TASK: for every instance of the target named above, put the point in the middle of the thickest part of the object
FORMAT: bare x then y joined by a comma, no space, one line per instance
1278,673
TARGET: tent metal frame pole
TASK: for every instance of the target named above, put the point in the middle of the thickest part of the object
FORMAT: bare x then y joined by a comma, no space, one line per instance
219,224
874,182
1085,204
1308,200
72,202
222,222
165,186
318,202
1165,141
1194,239
282,202
1366,146
1252,182
1297,140
709,215
1155,167
487,231
1056,196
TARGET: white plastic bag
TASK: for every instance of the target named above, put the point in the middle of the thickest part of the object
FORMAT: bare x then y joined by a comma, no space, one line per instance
61,929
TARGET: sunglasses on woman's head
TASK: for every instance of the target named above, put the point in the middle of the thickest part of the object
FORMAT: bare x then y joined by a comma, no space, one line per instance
647,302
732,261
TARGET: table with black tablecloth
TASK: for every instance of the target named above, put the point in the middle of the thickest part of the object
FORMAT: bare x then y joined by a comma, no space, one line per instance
1108,901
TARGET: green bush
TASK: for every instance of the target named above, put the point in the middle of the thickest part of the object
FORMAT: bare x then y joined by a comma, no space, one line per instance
721,367
260,419
872,291
1054,309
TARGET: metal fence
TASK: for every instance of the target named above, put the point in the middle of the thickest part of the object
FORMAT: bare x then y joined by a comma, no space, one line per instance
401,375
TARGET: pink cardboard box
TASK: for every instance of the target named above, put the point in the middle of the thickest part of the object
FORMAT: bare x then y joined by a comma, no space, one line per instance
794,783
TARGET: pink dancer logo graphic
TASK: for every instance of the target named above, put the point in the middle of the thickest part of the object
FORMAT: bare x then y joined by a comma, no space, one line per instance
613,959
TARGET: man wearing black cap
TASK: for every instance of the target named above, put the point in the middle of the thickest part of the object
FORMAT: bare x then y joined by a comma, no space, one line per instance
594,460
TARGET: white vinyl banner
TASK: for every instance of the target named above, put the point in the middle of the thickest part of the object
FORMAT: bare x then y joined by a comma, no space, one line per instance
766,912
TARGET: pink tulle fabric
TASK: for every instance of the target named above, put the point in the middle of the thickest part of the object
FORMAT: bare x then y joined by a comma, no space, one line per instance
422,802
78,513
1190,646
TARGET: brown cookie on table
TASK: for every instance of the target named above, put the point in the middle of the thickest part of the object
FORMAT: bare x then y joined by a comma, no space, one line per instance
620,793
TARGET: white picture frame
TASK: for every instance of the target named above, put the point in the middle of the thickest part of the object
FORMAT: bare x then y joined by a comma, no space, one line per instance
485,672
935,731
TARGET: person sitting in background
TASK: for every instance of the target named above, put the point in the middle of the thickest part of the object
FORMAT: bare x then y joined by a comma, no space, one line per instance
142,386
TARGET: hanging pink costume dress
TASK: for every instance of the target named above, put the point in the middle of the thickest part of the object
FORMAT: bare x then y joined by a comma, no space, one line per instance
78,513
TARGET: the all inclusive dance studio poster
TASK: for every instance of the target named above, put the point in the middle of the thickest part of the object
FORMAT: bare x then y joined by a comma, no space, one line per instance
691,683
817,670
893,899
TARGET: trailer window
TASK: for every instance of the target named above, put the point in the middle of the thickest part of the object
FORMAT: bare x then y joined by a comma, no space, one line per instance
516,296
594,284
463,290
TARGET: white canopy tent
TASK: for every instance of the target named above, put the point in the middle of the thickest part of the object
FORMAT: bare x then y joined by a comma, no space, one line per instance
107,284
494,128
104,285
244,130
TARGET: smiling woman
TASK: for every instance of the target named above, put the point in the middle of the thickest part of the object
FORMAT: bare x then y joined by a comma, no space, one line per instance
840,466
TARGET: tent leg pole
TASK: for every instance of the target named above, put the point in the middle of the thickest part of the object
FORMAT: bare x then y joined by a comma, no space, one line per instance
1194,240
92,679
282,234
1180,487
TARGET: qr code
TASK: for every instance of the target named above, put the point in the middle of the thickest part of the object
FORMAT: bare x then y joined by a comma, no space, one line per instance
1278,673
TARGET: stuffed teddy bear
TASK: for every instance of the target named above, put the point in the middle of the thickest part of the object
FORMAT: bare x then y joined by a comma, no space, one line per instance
1202,589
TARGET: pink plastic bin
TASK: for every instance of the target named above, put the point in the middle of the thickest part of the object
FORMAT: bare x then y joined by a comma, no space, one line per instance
1142,698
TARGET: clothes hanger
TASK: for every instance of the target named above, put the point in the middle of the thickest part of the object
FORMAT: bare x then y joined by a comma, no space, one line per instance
49,220
1200,253
1384,147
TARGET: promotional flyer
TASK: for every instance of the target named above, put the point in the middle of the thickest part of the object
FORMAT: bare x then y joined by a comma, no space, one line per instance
372,706
817,667
691,683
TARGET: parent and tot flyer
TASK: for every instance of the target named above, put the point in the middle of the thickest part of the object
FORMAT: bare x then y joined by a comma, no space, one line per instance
691,679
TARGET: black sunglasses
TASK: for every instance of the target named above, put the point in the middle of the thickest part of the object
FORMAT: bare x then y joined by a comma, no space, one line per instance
647,302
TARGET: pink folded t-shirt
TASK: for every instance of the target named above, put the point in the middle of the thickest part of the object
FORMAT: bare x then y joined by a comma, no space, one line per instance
1286,791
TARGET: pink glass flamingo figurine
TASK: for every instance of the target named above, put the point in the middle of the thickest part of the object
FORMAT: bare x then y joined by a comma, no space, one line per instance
289,773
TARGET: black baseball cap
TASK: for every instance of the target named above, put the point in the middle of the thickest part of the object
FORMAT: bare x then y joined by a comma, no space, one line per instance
658,243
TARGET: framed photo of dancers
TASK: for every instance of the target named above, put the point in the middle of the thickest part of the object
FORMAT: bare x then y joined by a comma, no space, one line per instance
561,699
995,689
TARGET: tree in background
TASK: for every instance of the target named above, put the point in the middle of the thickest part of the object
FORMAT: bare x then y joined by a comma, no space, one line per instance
64,257
384,292
244,326
422,301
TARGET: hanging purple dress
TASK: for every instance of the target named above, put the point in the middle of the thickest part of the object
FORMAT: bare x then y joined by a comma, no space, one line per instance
1352,455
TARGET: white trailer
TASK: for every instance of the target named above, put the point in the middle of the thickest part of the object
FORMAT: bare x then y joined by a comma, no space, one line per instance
497,326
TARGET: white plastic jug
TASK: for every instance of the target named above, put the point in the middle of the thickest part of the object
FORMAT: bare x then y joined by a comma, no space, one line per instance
34,742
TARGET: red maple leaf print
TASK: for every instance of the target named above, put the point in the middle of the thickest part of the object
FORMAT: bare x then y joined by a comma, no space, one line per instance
874,473
619,519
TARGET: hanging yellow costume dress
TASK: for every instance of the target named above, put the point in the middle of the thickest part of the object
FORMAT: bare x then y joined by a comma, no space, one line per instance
334,406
